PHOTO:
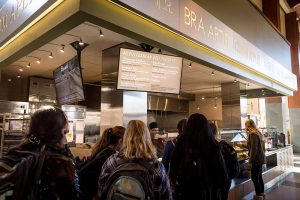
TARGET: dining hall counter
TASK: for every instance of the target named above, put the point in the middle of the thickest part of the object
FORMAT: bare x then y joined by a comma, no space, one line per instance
279,163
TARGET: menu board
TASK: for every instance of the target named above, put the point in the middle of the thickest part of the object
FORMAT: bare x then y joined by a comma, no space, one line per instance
68,82
151,72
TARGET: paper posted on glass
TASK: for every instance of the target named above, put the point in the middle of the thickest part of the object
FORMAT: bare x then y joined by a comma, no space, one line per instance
80,131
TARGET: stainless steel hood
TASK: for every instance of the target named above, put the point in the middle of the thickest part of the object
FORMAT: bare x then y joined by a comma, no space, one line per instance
168,102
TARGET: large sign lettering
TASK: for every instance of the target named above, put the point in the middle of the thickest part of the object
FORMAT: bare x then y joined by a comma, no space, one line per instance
17,14
190,19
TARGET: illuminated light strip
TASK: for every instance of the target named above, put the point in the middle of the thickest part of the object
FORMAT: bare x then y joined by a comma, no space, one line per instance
210,51
32,23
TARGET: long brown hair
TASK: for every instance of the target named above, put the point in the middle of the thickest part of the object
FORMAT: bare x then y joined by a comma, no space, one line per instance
110,136
137,141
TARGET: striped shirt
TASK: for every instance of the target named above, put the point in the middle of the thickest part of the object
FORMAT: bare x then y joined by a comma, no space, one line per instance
159,177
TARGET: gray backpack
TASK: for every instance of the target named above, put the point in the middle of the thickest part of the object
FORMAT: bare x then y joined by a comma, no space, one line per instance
130,180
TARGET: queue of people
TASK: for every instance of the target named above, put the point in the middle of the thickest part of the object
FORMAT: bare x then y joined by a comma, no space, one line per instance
124,163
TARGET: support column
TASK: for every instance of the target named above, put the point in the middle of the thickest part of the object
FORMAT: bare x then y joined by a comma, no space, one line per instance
292,35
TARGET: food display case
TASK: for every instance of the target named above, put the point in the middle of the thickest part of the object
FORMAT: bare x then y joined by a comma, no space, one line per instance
238,139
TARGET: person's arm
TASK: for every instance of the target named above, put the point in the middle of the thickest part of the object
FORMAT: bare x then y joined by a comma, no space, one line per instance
167,155
221,171
253,147
165,189
107,168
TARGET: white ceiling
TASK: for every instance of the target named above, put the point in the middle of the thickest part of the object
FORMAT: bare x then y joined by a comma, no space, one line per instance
197,79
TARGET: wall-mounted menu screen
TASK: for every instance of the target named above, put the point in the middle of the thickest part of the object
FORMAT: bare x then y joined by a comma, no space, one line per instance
68,82
149,72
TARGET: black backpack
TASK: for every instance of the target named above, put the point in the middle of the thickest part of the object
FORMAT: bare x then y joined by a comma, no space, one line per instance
230,158
192,178
20,173
130,180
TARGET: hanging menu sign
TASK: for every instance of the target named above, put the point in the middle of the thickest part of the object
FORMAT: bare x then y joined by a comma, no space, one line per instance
150,72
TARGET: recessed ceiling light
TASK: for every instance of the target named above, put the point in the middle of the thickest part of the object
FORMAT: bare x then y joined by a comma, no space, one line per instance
38,61
215,106
50,55
21,70
28,65
18,76
235,81
9,80
202,97
213,73
190,65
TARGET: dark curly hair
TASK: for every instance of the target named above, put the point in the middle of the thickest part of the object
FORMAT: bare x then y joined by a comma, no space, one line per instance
46,125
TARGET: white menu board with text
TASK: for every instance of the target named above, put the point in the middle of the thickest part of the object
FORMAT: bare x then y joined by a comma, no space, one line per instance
151,72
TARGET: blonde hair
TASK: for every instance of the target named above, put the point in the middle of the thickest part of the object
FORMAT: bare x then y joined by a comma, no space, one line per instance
137,141
110,136
251,127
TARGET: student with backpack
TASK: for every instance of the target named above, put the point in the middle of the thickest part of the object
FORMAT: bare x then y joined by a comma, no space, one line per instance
109,143
197,169
230,158
41,167
171,144
134,173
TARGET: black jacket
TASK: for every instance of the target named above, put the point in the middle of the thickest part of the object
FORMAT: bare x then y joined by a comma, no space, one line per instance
197,175
89,173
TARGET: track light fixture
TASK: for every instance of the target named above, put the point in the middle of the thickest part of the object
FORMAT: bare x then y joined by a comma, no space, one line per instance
235,81
50,52
28,63
80,42
62,46
62,50
159,51
38,60
213,73
248,84
101,33
97,27
190,65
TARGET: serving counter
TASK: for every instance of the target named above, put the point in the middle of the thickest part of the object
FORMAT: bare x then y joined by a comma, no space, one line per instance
279,163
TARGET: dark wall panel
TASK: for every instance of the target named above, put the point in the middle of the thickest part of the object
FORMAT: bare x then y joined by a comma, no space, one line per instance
243,18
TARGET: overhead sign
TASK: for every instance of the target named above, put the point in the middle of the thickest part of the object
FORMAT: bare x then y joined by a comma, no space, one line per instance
15,15
188,18
151,72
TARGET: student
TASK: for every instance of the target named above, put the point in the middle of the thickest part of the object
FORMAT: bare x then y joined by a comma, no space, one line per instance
47,130
197,169
137,148
171,144
256,157
157,142
109,143
230,158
